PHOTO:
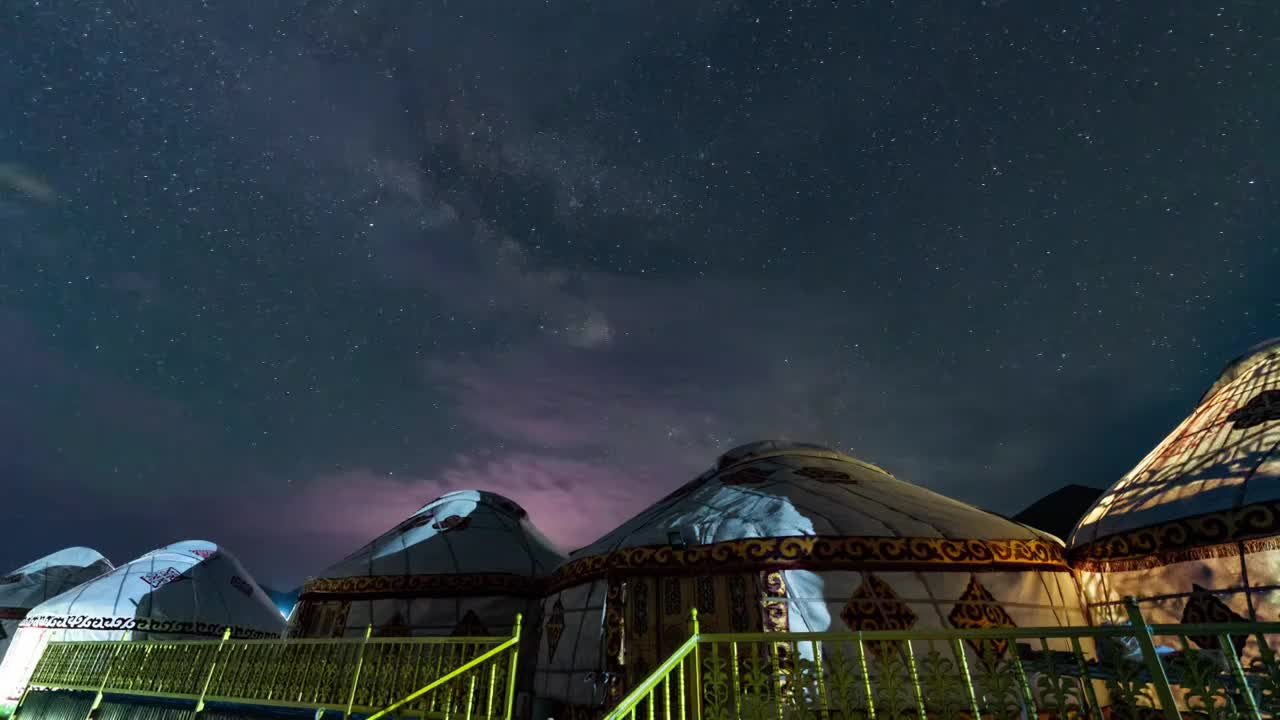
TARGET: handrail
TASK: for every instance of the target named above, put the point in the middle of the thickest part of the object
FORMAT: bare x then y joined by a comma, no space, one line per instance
656,688
350,675
629,703
627,706
458,672
1022,633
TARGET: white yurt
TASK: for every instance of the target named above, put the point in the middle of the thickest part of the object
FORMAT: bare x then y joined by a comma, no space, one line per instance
463,564
784,536
35,582
1193,532
188,590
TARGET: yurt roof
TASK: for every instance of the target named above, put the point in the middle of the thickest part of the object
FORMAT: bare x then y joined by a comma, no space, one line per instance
37,581
1264,351
1195,489
799,504
469,542
188,588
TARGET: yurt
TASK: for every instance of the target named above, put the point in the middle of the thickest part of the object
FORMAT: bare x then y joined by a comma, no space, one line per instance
188,590
782,536
464,564
35,582
1193,532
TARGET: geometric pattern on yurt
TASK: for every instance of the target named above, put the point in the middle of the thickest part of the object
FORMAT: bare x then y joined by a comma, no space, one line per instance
555,628
977,609
875,606
1204,608
470,626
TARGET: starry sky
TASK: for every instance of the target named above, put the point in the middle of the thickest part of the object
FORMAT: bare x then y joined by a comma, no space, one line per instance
275,273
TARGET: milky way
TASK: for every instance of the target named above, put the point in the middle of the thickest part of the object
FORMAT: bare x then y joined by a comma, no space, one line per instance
275,274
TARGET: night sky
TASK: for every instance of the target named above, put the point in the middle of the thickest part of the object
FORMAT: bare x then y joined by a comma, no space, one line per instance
274,275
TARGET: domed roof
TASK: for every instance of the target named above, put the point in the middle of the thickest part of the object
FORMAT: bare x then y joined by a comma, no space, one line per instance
785,489
464,532
1264,351
37,581
187,588
762,449
1222,460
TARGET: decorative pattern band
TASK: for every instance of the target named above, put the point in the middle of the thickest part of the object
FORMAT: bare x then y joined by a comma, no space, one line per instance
1208,552
1190,538
136,624
817,553
442,585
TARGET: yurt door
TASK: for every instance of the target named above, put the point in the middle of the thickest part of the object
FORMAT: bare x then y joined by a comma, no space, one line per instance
657,618
322,620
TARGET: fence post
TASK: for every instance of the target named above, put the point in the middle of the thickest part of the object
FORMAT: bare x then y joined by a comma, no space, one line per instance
1142,632
355,677
208,678
515,660
695,630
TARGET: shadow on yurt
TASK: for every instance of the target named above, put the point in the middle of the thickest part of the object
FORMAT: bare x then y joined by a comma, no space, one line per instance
184,591
781,536
1193,531
464,564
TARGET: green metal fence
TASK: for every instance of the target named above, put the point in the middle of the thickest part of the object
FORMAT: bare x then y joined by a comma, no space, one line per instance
427,677
1131,671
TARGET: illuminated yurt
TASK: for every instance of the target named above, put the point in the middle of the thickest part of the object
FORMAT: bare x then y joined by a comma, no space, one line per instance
463,564
1193,532
188,590
784,536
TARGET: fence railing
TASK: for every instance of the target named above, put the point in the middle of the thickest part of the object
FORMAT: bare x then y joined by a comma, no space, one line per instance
420,676
1137,671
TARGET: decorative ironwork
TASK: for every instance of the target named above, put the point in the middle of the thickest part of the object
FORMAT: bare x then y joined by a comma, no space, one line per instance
937,675
464,676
